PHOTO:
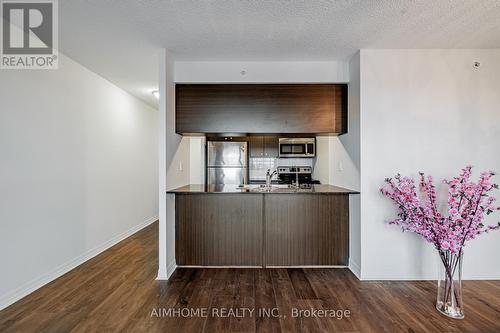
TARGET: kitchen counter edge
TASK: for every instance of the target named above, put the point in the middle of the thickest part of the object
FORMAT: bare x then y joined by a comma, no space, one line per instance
228,189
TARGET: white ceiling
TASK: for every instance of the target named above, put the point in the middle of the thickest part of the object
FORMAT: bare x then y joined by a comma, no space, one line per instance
119,39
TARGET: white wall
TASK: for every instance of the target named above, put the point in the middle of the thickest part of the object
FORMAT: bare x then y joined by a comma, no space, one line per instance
324,160
346,148
261,72
78,171
197,159
347,168
174,165
430,111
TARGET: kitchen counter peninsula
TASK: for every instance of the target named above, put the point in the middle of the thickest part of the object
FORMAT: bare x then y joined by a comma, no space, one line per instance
252,226
254,188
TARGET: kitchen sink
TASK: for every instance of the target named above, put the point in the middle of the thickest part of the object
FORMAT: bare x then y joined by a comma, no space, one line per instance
272,188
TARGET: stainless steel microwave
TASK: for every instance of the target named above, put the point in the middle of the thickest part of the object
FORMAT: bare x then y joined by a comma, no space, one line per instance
297,147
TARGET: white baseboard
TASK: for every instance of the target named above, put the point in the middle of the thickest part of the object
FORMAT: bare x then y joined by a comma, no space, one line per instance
165,274
398,278
426,278
307,266
481,277
202,266
355,269
31,286
171,269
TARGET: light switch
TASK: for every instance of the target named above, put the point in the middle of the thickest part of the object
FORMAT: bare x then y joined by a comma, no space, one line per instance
340,167
180,165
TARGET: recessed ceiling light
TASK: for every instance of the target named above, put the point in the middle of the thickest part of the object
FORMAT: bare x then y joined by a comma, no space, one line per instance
156,94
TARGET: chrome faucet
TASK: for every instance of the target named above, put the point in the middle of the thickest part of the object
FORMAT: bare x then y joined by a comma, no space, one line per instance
269,175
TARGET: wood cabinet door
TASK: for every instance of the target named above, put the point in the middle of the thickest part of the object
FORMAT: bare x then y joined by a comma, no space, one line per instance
256,146
306,229
219,229
261,108
271,148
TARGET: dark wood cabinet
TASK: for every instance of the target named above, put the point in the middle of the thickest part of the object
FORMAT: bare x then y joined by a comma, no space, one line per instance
271,146
261,229
256,146
305,229
263,146
218,230
261,108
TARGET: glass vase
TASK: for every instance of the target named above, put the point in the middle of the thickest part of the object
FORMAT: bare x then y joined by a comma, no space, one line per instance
449,296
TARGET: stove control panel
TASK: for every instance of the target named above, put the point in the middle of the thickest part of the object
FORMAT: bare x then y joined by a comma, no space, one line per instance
295,169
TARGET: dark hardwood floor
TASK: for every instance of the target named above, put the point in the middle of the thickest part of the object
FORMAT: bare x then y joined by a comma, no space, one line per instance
117,292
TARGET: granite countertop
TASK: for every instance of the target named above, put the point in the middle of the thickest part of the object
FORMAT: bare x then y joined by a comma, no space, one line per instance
283,189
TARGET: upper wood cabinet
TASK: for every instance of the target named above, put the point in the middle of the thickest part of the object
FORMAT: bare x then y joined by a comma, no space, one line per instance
263,146
256,146
261,108
271,146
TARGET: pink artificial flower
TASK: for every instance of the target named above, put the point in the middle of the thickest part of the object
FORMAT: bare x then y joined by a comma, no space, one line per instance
468,203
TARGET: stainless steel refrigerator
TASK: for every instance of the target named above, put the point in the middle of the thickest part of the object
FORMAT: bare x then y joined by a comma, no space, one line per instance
226,162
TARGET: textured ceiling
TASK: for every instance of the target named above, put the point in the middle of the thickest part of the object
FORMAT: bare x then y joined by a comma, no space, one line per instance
119,39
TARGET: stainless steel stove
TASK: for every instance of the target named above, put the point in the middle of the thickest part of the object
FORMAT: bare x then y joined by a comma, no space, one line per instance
292,174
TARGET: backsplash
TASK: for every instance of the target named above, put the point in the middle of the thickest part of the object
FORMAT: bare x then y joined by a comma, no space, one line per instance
295,162
260,165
